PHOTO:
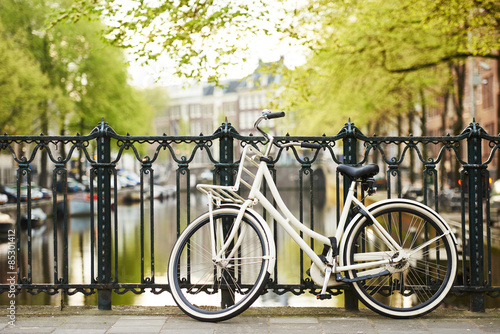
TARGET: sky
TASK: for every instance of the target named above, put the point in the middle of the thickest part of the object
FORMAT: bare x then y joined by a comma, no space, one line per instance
157,74
267,48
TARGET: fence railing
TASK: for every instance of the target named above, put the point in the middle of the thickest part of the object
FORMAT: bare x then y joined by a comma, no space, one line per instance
422,167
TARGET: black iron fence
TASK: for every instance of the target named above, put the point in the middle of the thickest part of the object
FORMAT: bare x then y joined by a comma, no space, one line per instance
425,168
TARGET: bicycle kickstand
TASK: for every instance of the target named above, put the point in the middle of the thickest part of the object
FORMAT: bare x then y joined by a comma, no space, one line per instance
330,267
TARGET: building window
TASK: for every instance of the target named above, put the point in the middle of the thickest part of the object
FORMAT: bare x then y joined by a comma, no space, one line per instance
229,108
194,111
207,111
243,102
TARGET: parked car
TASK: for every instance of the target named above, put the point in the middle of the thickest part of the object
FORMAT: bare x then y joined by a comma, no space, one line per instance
46,193
35,193
4,198
11,192
128,179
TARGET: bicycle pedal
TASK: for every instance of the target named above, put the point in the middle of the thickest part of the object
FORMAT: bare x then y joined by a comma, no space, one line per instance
324,296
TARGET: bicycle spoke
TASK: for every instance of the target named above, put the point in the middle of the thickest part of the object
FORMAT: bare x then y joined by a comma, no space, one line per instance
419,271
217,288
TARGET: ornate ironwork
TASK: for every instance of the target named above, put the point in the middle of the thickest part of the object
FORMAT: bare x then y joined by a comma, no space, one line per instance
394,153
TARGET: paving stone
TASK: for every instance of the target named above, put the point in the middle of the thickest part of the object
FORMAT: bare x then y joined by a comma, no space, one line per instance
39,322
134,329
78,331
187,331
488,325
293,320
398,326
28,329
187,323
105,319
127,322
455,326
91,326
347,326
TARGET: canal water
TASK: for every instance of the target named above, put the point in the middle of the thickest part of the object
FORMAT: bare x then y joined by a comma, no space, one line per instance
129,254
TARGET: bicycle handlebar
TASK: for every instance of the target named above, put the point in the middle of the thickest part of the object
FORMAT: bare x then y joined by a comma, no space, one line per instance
267,114
272,115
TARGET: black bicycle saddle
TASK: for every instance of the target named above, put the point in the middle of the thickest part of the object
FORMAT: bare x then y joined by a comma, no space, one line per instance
359,171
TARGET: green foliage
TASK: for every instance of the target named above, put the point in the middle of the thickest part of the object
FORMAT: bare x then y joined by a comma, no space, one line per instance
374,59
23,87
84,79
199,37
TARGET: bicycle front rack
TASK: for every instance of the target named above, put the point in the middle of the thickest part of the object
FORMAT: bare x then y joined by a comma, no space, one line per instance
219,194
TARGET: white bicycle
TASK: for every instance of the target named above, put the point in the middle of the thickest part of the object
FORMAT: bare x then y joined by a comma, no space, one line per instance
399,255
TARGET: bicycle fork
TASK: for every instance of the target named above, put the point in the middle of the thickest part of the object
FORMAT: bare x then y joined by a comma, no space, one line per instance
217,255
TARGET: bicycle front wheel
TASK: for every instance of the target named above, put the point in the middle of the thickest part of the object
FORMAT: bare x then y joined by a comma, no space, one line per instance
419,274
211,287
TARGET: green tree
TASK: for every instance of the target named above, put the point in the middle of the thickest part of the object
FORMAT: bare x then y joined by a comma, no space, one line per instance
89,73
25,87
402,37
200,38
332,88
97,82
87,78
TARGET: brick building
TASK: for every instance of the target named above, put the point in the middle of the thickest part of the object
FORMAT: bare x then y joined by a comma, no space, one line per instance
480,102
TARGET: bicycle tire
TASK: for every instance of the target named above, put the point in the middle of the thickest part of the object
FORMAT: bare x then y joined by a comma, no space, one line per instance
210,291
419,283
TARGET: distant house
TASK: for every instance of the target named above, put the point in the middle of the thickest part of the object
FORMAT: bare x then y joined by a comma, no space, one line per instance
202,109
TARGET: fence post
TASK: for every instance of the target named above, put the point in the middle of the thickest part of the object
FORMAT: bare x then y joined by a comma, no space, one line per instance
350,158
474,170
226,157
104,236
226,154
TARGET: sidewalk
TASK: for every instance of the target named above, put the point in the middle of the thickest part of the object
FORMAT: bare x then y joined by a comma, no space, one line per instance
43,319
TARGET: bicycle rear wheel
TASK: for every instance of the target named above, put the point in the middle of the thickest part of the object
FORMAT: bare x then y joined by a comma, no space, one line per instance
419,277
214,290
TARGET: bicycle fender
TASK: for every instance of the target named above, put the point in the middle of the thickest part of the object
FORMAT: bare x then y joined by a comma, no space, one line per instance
385,203
267,232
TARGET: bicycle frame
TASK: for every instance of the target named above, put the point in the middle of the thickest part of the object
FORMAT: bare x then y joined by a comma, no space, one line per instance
286,219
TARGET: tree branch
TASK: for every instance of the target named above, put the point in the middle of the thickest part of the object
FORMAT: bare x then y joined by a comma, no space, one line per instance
416,67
